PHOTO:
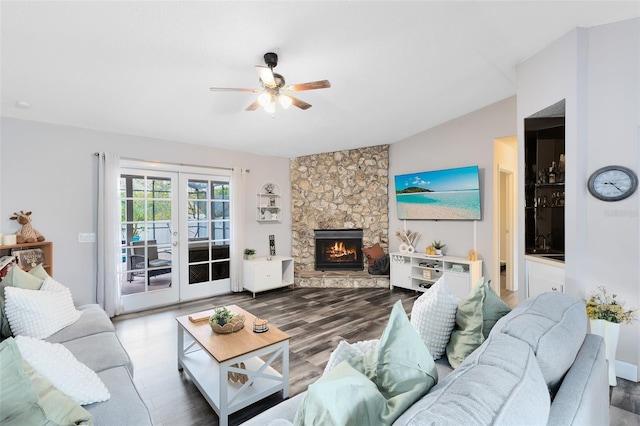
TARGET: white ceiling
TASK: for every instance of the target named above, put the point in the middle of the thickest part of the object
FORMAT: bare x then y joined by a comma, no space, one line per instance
396,68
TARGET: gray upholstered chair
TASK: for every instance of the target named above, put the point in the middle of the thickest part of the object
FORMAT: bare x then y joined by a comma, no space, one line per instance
155,265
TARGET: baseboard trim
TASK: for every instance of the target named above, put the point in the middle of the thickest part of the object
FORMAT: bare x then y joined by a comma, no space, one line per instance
627,371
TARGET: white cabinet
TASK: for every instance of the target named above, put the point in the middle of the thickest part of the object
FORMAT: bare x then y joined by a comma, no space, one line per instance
543,275
269,203
261,274
419,272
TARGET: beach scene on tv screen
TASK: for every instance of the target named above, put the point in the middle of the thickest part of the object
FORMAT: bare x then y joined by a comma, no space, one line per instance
439,194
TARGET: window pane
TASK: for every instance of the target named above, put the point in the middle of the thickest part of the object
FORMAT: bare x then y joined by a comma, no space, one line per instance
198,230
220,190
220,270
197,189
159,188
220,209
159,210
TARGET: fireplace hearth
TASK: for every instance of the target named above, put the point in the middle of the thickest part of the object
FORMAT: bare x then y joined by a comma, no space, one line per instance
338,249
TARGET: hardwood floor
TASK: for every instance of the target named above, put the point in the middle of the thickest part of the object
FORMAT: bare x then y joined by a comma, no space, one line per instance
316,320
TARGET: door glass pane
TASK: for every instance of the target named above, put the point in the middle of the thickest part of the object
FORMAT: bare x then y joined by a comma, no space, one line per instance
146,233
208,229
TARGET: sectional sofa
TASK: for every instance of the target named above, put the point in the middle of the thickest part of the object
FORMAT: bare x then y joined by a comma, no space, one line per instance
90,338
537,366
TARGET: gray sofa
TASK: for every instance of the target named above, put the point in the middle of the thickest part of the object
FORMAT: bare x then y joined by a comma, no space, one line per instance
93,341
538,366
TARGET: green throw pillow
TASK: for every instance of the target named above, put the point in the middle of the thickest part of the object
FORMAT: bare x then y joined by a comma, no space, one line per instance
381,384
27,398
475,317
16,277
39,272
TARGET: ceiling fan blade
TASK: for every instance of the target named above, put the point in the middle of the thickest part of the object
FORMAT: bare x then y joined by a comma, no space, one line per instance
233,89
254,106
266,75
312,85
300,104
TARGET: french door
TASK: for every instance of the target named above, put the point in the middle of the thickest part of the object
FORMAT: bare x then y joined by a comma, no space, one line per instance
175,236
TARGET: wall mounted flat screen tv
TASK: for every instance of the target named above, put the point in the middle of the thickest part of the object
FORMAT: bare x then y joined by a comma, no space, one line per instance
451,194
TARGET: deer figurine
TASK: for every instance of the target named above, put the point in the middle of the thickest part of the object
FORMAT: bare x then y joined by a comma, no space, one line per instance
27,234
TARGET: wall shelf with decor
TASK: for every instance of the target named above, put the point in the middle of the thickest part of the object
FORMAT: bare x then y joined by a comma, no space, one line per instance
269,203
416,271
43,250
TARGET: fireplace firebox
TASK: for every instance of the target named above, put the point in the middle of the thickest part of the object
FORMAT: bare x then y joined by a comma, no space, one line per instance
338,249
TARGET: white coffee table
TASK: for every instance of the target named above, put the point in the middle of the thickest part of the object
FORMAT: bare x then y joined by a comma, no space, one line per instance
208,357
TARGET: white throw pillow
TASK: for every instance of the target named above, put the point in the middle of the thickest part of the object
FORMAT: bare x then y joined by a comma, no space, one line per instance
346,350
434,316
40,313
63,370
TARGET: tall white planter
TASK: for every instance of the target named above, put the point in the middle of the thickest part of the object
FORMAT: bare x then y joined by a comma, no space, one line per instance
609,332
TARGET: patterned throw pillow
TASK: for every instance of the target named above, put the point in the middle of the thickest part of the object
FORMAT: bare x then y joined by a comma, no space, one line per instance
434,316
60,367
40,313
346,350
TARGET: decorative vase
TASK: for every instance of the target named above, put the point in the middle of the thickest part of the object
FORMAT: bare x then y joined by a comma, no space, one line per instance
403,247
610,332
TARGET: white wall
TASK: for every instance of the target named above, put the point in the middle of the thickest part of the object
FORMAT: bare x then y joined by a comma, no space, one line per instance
465,141
52,171
597,71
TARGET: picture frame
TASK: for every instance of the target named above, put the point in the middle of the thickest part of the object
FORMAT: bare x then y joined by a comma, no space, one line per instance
426,274
28,258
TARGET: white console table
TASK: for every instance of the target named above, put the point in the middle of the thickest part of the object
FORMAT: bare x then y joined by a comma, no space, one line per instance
261,274
416,271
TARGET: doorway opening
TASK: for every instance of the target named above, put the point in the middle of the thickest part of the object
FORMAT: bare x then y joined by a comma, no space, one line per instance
505,227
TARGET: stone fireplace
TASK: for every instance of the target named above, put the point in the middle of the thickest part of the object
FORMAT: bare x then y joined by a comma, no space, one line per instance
339,190
338,249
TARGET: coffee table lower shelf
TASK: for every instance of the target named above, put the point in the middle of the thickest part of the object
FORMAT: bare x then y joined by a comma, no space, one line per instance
227,397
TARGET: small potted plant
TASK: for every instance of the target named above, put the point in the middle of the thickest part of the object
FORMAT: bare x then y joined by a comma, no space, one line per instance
224,321
249,253
438,246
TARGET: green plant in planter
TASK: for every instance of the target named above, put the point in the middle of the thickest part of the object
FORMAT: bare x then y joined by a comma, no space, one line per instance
249,252
437,244
221,316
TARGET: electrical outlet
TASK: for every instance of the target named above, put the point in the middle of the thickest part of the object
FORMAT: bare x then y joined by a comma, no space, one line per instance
87,237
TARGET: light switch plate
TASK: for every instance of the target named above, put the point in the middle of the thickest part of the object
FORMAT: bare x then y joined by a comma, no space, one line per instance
87,237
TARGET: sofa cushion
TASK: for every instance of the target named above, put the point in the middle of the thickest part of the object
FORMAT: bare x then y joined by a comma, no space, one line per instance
382,384
93,320
554,325
434,316
59,366
475,317
40,313
499,384
28,398
126,406
346,350
39,272
16,277
100,352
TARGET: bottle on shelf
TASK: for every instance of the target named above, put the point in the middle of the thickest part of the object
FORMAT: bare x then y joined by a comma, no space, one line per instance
552,173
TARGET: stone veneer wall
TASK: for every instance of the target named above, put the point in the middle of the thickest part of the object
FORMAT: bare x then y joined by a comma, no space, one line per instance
344,189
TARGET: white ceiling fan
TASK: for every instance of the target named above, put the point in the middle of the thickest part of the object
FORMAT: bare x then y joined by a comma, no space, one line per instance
274,88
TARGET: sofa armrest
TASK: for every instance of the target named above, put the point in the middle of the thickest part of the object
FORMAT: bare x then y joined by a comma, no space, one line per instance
583,397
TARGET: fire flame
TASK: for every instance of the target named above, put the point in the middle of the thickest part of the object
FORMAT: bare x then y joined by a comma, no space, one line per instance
338,250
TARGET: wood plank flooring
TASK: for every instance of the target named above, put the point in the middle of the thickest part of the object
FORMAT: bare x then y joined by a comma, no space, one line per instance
315,318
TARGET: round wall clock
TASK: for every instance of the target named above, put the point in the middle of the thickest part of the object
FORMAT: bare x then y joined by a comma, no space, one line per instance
612,183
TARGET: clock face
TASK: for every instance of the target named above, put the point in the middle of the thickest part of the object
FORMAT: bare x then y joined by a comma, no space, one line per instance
613,183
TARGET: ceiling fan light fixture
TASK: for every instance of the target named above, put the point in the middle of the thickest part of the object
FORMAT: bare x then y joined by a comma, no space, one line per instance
285,101
265,99
270,107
